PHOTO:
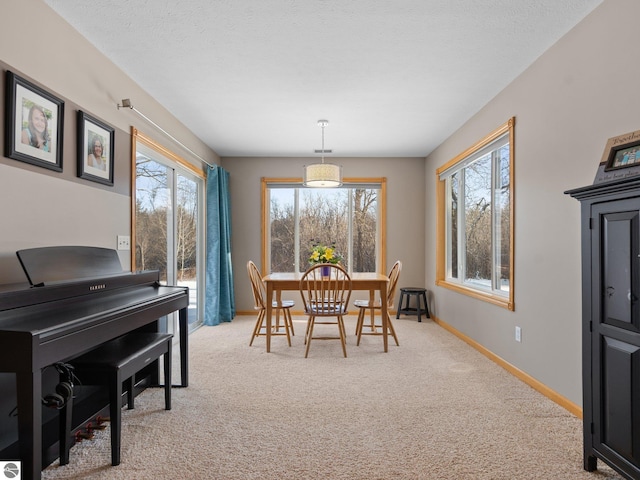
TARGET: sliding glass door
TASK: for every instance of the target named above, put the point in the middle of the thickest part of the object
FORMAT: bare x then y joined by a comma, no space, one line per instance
168,224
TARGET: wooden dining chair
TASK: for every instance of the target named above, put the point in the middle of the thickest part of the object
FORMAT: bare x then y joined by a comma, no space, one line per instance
325,289
365,305
260,305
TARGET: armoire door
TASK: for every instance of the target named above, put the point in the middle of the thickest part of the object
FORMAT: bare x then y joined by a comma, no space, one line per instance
615,337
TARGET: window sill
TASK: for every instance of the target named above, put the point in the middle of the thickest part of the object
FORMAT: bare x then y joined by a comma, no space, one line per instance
503,302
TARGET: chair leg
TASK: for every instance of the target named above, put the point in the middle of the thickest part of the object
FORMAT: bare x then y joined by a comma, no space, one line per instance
360,320
256,329
392,330
285,322
343,339
306,333
312,320
359,326
343,330
290,320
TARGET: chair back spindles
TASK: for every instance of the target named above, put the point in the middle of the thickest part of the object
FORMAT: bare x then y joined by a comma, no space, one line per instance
325,290
257,286
326,294
394,274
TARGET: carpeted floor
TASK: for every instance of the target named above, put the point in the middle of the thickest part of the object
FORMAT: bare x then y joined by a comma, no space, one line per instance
432,408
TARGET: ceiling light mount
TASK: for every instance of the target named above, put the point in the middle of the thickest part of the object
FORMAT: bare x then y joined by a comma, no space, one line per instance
322,175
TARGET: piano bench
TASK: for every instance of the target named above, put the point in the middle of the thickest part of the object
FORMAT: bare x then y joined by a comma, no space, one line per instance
118,361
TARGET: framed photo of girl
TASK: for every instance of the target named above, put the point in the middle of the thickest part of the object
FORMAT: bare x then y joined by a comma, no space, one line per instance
33,124
95,149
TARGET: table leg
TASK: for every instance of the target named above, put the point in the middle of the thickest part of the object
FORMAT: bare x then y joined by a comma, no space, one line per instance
269,301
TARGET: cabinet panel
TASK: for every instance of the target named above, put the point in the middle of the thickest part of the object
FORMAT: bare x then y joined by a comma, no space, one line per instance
619,256
620,405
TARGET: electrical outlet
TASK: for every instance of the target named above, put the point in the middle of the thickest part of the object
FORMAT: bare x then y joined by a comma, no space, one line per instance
518,334
124,242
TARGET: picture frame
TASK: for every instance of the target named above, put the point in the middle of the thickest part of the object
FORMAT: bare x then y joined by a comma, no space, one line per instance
95,149
620,158
623,152
34,122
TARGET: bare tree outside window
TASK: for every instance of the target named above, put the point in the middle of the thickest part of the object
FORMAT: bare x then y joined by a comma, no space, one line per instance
478,225
345,217
154,208
475,202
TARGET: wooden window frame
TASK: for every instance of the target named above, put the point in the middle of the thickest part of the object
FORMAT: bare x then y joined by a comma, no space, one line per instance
505,301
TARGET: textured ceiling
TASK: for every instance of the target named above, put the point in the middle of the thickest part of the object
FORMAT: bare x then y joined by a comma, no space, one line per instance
253,77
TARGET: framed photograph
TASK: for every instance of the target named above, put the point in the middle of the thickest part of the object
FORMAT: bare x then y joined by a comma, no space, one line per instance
623,155
95,149
33,124
620,159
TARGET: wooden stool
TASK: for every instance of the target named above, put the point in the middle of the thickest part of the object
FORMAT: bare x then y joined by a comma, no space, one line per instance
117,361
420,294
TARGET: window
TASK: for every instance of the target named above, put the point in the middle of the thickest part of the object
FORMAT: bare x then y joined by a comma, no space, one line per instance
351,217
475,219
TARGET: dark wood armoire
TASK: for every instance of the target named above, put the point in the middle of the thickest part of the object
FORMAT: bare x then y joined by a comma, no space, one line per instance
610,231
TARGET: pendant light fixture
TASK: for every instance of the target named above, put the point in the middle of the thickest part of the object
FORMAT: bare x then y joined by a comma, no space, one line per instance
322,174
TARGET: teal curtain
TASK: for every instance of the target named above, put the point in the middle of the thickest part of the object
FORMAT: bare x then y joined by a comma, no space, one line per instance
219,295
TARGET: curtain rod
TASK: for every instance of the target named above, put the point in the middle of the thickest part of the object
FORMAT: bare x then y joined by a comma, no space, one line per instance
126,103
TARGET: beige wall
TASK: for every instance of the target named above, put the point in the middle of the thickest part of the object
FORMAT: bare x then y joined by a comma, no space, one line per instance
567,104
41,207
405,221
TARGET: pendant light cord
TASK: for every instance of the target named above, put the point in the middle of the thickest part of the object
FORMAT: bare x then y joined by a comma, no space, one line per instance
323,123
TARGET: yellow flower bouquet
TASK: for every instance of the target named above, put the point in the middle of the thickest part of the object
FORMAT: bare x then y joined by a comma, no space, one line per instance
324,254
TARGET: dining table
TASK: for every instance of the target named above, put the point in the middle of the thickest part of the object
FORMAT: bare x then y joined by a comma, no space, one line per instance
276,283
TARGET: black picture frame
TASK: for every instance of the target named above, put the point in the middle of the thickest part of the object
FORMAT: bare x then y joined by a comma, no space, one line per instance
26,138
623,156
91,133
